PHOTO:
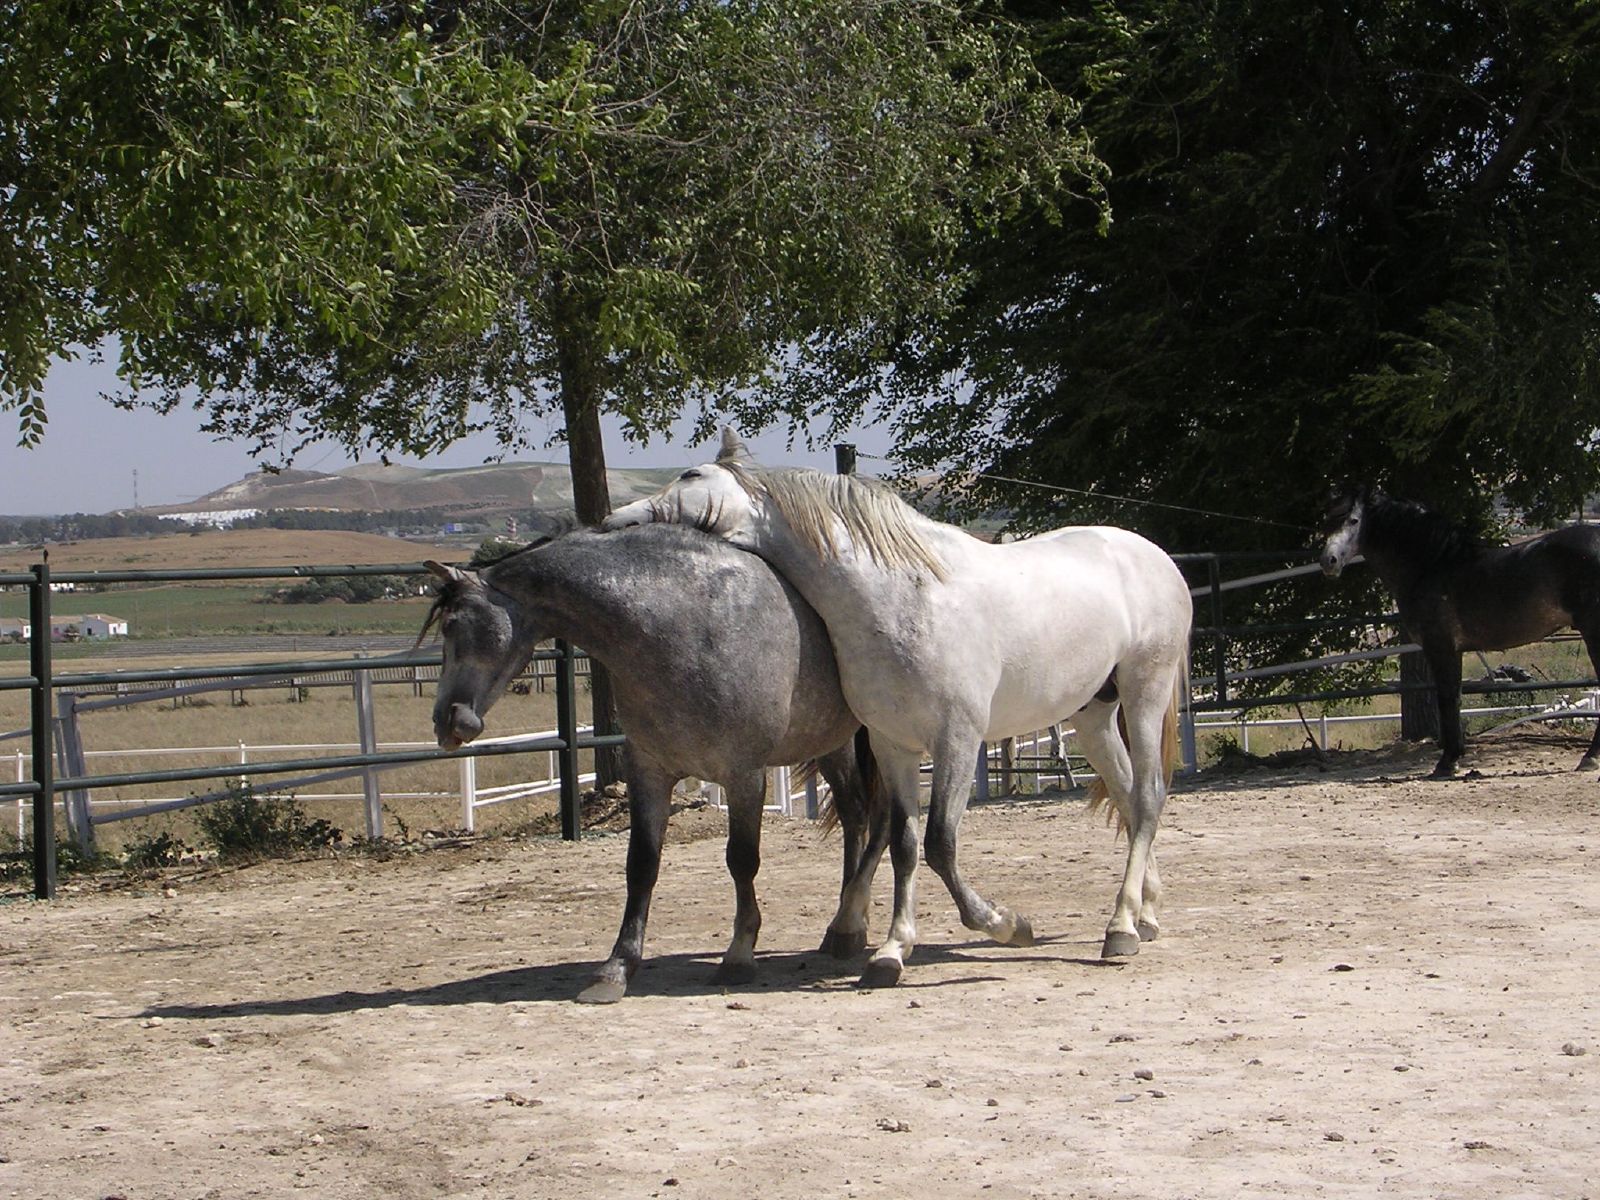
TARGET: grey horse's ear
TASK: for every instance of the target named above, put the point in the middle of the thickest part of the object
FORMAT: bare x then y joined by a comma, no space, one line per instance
442,571
732,448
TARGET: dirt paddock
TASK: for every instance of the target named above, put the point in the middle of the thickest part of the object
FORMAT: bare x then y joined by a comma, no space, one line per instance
1369,985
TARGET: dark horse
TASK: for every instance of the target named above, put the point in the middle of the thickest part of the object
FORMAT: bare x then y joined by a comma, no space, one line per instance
719,670
1456,593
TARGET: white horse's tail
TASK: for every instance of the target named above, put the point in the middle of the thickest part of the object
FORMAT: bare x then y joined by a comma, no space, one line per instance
1171,750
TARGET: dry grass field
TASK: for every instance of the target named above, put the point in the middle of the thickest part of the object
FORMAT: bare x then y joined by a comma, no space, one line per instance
225,548
277,722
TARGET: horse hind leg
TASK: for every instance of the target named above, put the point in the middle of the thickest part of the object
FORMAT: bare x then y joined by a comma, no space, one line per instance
746,795
1138,794
861,803
902,775
1591,639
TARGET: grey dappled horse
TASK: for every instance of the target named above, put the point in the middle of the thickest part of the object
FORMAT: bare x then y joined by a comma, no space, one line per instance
1455,593
719,669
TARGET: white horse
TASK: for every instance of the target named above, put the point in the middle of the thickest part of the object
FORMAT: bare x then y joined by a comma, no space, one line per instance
944,641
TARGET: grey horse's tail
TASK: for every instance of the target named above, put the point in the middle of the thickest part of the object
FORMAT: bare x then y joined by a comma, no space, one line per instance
868,798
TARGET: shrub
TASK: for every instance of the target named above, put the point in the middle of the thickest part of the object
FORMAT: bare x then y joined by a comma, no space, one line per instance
153,852
243,825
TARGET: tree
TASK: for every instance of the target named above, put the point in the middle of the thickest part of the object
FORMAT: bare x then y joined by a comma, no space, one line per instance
1356,241
645,207
744,185
258,166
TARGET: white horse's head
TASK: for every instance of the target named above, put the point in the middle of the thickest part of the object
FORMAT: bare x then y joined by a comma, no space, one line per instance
1341,523
714,496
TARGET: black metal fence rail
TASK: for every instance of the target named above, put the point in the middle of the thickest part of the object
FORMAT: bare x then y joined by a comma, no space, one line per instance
42,683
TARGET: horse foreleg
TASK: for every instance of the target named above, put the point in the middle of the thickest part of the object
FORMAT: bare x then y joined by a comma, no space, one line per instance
649,801
746,794
902,774
952,768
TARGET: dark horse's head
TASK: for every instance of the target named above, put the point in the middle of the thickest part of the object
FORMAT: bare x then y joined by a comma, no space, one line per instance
482,653
1341,528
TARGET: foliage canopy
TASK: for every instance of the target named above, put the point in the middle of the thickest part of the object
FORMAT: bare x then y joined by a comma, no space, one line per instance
1355,241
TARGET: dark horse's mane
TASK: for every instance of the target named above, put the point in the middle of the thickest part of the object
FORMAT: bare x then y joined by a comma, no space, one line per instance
1427,538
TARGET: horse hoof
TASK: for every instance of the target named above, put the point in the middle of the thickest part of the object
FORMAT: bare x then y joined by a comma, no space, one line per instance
1021,932
881,973
734,973
1120,945
838,944
1148,932
1445,770
1587,763
604,991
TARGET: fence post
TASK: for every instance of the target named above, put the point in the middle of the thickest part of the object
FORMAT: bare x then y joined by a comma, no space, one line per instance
44,800
1219,648
469,794
844,458
80,820
369,745
567,730
981,774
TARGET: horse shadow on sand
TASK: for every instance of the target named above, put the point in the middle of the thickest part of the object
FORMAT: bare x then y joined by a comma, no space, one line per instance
668,975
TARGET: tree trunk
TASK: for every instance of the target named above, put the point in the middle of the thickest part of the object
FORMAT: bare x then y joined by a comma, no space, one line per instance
1419,710
582,391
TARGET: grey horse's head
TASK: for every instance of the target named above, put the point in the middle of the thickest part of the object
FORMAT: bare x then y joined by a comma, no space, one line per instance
481,653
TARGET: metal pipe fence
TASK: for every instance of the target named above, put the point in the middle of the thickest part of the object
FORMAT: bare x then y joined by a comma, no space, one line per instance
46,731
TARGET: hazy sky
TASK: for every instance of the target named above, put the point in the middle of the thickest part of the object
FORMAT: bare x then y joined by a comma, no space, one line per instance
92,449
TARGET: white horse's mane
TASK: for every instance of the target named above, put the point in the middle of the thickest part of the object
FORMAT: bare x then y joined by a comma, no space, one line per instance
876,519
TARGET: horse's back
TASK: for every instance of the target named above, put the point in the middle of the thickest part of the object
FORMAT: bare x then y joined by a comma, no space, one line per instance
1130,572
732,660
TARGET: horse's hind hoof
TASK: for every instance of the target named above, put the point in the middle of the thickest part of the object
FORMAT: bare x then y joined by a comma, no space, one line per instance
1445,770
881,973
1587,763
1120,945
838,944
1148,932
734,973
1021,932
603,991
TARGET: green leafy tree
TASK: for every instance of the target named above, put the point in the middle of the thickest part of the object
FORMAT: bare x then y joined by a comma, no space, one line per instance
1349,242
1355,241
258,170
392,225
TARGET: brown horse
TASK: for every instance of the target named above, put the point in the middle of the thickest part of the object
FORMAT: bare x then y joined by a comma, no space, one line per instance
1455,593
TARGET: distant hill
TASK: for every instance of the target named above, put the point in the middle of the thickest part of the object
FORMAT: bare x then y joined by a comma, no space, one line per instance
472,492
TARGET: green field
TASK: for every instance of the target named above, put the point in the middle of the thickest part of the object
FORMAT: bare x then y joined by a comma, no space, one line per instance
190,610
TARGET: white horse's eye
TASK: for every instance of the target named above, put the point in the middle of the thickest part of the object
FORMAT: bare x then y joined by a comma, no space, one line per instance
691,473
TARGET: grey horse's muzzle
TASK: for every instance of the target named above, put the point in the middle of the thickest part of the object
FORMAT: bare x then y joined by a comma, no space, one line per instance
457,726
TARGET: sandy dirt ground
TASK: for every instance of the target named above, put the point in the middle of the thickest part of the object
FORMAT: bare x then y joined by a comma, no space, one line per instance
1368,985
